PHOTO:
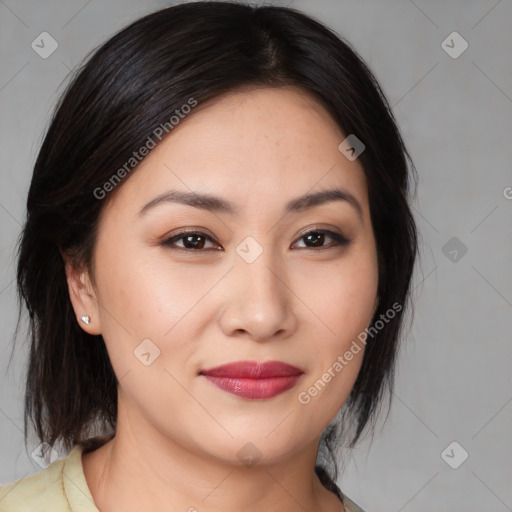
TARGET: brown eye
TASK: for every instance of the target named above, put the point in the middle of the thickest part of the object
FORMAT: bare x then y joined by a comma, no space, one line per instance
316,239
191,240
196,241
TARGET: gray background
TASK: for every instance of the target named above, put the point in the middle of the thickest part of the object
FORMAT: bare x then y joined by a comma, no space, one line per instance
454,381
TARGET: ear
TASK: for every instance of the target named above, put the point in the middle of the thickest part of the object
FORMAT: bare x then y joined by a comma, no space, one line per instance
82,296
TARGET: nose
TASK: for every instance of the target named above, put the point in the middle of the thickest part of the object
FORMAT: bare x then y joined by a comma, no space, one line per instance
258,300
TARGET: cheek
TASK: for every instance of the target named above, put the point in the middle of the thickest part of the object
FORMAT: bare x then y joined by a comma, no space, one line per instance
144,297
342,301
341,296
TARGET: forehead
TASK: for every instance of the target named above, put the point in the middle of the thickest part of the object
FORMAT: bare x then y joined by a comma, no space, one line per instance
249,146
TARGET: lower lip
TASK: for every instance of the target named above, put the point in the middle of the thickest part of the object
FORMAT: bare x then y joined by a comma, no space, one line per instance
255,389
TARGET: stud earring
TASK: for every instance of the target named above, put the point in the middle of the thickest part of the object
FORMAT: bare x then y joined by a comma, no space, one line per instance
86,319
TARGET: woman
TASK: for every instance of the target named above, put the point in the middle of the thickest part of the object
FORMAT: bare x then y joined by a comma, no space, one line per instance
216,261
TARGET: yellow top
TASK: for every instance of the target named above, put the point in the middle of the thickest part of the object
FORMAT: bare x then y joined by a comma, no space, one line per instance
62,487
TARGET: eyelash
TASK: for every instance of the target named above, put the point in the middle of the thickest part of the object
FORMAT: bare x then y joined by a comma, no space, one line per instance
339,240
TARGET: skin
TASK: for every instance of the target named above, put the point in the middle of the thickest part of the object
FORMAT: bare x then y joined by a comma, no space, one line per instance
178,435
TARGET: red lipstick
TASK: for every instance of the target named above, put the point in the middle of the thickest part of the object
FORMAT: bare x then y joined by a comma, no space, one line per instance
253,380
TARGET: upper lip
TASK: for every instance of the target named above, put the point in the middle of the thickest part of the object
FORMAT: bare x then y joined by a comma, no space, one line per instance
253,370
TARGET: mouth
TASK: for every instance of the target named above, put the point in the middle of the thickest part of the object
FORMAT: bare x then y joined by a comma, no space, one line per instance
253,380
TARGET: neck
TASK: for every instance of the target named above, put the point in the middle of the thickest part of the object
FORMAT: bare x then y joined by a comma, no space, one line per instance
139,469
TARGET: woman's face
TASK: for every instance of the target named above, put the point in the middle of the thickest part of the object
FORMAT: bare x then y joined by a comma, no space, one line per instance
256,287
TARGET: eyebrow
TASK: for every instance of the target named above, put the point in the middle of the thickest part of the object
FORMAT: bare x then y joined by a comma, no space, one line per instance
217,204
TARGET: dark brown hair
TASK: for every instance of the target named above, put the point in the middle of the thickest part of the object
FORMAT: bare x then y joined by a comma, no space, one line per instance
126,89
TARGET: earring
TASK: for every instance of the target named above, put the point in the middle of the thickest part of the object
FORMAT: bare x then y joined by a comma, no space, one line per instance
86,319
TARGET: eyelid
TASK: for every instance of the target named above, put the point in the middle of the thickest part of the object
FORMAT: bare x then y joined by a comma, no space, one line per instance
322,229
340,240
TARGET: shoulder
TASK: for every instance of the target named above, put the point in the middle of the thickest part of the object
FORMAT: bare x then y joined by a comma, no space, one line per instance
329,484
42,491
61,487
349,505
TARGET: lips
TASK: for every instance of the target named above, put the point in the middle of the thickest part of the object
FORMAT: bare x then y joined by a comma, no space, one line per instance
253,380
